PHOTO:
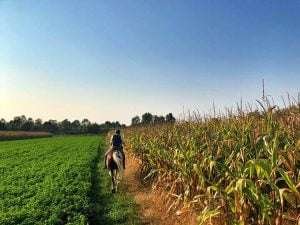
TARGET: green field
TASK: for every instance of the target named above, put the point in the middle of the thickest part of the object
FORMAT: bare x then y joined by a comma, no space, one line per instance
55,181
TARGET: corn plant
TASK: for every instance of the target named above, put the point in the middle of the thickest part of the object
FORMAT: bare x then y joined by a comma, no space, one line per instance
244,168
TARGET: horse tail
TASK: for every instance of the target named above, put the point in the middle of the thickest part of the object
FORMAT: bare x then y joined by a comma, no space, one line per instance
118,158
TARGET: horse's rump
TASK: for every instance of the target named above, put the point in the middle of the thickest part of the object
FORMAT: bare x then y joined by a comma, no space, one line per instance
110,162
114,160
118,158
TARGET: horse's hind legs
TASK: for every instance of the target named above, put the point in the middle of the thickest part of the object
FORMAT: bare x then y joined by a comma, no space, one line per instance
113,182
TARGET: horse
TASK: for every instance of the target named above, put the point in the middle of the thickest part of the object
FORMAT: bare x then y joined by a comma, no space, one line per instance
115,167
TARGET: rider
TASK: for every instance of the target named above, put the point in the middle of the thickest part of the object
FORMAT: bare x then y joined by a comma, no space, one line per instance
116,143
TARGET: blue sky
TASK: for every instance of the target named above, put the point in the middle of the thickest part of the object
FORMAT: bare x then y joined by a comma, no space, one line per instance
111,60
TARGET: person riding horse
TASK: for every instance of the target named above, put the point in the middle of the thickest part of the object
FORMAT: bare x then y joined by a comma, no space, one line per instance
116,143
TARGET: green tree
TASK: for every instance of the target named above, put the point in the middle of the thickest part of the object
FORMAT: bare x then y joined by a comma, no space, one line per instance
158,119
17,122
3,125
75,127
38,124
147,118
51,126
135,121
170,118
84,125
93,128
65,126
28,125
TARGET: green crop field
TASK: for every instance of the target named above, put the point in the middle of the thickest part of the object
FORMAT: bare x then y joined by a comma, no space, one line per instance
46,181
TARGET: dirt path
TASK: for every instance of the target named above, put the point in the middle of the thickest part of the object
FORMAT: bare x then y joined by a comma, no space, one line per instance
107,208
152,209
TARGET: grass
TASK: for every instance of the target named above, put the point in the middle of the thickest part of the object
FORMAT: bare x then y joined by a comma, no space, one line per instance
58,181
242,168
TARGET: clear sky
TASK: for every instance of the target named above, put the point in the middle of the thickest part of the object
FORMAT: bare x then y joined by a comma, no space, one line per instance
112,60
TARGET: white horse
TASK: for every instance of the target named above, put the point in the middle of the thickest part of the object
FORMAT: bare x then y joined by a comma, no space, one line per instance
114,163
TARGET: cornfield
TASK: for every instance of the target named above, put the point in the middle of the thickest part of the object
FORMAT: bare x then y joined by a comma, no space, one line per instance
241,169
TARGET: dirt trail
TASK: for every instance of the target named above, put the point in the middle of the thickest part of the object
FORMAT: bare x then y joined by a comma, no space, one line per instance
152,208
107,208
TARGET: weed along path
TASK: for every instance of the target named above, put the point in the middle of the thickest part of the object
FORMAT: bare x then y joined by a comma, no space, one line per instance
108,208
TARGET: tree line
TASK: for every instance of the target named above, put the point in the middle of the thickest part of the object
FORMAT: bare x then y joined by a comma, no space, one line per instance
148,118
21,123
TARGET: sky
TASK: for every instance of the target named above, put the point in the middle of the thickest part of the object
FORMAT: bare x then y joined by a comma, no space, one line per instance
112,60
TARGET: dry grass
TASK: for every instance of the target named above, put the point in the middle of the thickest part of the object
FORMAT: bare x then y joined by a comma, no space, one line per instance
15,135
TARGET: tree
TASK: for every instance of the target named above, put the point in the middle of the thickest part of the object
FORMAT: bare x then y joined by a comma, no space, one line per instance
135,121
161,119
84,125
93,128
75,127
147,118
158,119
28,125
85,122
65,126
118,125
108,125
3,125
38,124
17,122
51,126
170,118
